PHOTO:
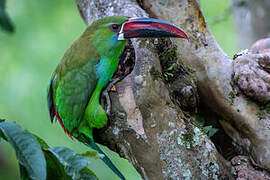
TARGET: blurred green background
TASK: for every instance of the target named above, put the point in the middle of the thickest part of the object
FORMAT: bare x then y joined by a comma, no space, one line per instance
44,30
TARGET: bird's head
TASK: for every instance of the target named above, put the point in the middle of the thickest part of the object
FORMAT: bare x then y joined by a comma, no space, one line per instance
110,34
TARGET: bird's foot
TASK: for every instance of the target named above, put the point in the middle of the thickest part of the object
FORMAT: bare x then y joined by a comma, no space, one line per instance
106,96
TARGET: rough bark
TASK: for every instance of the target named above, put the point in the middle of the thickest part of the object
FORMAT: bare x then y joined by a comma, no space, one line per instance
251,72
147,126
214,72
251,21
244,169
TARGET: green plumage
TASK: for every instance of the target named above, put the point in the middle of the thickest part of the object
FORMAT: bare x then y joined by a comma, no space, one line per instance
87,67
79,78
76,77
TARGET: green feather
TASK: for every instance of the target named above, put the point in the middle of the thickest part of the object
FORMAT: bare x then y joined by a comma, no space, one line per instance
87,67
75,87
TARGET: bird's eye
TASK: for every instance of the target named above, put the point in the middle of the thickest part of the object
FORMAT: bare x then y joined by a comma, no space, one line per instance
115,27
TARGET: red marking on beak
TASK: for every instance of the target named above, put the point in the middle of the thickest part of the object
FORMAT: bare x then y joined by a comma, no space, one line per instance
146,27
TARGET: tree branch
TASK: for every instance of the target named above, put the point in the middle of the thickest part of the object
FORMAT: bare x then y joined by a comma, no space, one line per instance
146,126
214,70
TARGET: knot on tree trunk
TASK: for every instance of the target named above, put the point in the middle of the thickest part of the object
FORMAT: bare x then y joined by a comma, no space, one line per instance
261,46
252,72
246,169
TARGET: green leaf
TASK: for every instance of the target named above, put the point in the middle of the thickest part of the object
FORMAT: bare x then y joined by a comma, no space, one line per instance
72,162
5,22
206,129
200,120
87,174
28,151
42,143
23,173
169,74
212,131
55,170
171,67
91,154
209,130
1,133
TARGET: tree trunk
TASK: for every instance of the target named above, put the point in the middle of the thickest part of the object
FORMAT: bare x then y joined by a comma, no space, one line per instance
214,72
251,21
147,125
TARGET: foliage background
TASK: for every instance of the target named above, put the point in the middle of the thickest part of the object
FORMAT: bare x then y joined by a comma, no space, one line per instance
44,30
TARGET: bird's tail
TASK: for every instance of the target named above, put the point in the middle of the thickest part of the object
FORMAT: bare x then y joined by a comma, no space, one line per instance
105,159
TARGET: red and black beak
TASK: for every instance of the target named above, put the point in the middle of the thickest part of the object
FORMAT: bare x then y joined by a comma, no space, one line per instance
146,27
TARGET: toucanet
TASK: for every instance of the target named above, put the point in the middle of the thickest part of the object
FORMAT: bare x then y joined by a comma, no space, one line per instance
87,67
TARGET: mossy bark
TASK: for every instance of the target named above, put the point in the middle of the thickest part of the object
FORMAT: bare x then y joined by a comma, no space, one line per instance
147,125
214,72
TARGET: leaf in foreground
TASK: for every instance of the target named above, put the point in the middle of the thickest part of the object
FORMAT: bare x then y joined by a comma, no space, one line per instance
75,164
91,154
28,151
5,22
55,170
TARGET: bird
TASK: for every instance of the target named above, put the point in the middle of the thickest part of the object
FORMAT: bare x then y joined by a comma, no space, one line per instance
87,67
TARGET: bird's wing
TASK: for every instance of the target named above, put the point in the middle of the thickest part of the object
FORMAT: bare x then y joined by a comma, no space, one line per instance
70,89
50,99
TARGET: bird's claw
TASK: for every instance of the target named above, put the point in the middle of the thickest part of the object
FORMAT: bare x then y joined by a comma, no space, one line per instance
106,95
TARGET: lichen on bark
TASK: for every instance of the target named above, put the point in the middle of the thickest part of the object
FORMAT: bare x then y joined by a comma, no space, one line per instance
214,72
147,124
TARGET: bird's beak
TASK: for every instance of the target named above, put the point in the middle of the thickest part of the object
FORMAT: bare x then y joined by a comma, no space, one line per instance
146,27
